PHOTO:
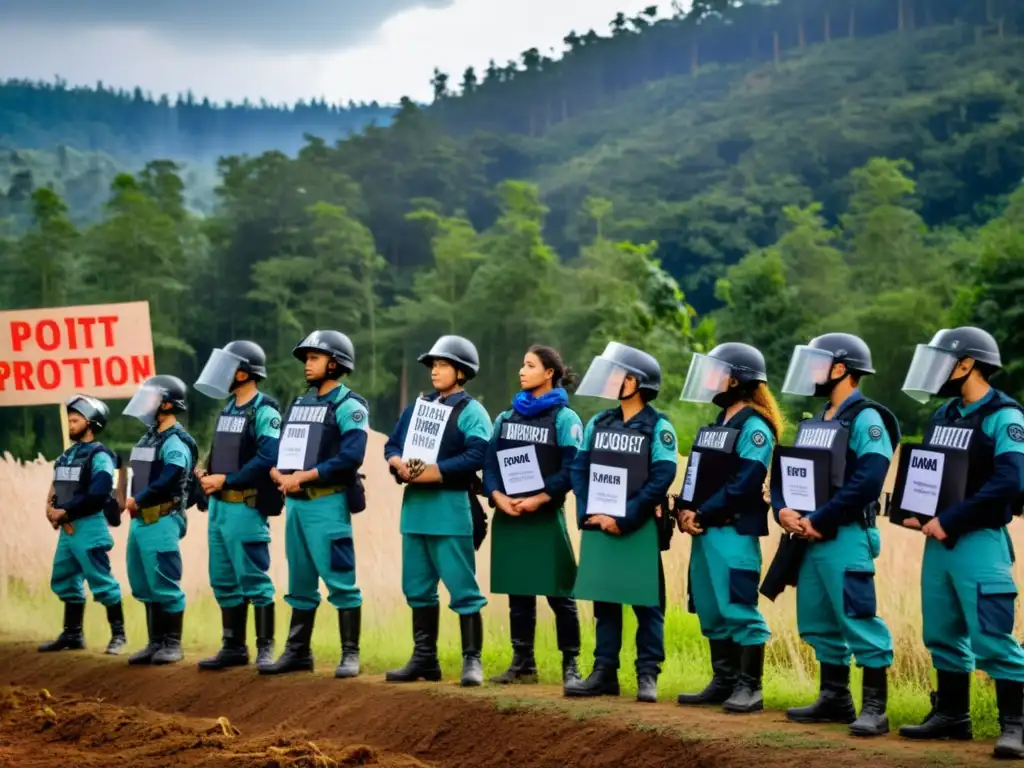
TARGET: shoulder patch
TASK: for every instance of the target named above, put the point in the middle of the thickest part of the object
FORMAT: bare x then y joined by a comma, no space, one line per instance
758,438
1015,432
576,431
357,415
667,438
875,432
171,455
275,423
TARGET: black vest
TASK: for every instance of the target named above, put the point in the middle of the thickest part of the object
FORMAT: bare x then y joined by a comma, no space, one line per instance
624,446
235,442
950,429
314,416
713,459
453,443
147,466
71,477
541,432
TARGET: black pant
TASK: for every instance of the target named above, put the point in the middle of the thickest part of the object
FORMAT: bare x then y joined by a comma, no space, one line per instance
523,619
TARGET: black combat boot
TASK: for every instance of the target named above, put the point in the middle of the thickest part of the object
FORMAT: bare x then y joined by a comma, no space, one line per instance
170,651
746,696
523,669
297,656
472,628
349,621
603,681
233,650
647,687
834,704
423,664
950,717
875,696
1010,699
570,671
71,638
264,634
725,663
153,629
118,639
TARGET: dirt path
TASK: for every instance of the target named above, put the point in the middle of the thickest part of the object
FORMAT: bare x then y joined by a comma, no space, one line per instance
85,709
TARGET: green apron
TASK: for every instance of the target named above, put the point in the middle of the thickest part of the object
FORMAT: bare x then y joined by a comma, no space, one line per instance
619,569
532,555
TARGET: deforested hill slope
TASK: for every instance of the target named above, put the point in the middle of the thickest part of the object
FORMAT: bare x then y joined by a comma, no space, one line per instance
704,164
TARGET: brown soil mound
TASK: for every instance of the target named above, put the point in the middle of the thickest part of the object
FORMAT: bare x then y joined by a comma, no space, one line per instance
91,714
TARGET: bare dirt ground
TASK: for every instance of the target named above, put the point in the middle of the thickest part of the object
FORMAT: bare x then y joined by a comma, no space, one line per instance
84,709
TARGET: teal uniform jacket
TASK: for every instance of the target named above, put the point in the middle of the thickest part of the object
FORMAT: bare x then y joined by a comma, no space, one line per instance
836,600
725,561
83,556
968,593
154,557
318,532
437,523
238,535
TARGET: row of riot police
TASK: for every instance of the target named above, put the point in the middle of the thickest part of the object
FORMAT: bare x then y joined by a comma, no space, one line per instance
960,489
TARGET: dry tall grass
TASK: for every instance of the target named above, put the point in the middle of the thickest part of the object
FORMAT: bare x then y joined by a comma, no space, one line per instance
27,546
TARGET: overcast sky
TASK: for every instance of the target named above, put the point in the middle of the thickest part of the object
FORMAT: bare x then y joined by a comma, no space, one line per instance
283,50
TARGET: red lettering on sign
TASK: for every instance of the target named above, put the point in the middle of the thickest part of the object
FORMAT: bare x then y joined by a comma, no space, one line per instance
87,324
22,375
5,374
20,332
69,323
117,370
49,374
107,321
142,368
78,363
97,372
51,329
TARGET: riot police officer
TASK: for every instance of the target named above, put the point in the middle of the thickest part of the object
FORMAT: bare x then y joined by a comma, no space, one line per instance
967,587
162,481
79,501
437,448
526,476
242,495
322,447
620,479
723,506
852,439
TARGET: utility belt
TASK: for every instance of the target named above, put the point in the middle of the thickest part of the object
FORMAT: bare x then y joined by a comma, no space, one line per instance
150,515
247,497
311,494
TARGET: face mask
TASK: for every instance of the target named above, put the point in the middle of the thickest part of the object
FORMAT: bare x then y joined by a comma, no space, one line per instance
953,387
825,390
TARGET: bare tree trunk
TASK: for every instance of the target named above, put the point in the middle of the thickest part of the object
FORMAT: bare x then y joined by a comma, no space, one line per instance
900,16
852,24
828,27
775,46
694,57
803,36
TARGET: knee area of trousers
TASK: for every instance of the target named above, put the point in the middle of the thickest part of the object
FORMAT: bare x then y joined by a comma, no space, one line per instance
996,604
258,554
859,600
343,554
168,564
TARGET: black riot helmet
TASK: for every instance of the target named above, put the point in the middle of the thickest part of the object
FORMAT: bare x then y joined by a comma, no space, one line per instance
457,350
607,372
254,359
92,409
810,367
335,344
707,381
933,363
153,393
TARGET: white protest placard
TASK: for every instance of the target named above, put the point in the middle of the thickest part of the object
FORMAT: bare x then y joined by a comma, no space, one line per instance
606,494
924,481
426,428
690,480
520,470
798,483
291,451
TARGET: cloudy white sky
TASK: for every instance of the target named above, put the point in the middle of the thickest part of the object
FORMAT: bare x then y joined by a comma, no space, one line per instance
283,50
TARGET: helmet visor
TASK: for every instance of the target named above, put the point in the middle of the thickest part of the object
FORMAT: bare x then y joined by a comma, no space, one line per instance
928,371
808,367
144,404
84,405
706,378
218,374
603,378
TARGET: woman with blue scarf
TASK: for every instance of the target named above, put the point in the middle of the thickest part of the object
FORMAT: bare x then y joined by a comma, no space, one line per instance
526,477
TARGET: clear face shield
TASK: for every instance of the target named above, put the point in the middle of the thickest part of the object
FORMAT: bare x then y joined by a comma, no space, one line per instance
218,374
808,368
928,371
706,378
144,404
